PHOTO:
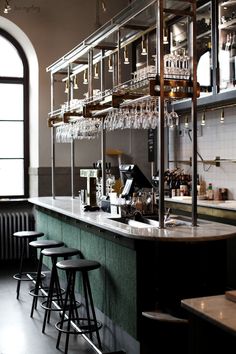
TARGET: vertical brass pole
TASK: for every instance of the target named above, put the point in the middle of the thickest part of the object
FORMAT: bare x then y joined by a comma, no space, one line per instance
103,132
194,115
90,73
52,140
53,161
161,133
118,59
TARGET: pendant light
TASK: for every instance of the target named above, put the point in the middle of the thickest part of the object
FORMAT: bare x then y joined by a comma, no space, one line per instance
110,64
222,116
144,46
85,78
96,76
75,84
126,57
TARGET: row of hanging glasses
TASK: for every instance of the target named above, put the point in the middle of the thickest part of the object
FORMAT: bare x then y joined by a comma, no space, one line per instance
143,114
88,128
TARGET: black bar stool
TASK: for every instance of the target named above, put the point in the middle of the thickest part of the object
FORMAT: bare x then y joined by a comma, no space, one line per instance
86,325
40,244
54,292
24,237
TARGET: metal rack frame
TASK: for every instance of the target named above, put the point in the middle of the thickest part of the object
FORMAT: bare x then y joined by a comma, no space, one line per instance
64,66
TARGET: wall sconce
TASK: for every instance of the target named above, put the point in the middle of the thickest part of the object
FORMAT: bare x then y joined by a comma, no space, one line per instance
75,83
144,46
7,7
165,37
126,58
222,116
186,123
203,121
96,76
110,64
67,86
85,78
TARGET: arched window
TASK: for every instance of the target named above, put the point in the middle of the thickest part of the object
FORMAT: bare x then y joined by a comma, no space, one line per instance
14,118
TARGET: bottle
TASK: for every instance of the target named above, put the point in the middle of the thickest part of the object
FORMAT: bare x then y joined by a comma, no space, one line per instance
210,192
183,187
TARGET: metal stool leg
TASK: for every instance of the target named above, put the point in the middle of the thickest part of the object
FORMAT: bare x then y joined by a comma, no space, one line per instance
92,308
20,269
37,285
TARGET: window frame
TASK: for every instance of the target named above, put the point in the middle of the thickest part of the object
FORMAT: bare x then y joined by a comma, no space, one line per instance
25,82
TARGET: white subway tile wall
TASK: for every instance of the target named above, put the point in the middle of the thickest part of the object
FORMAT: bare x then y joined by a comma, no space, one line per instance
215,139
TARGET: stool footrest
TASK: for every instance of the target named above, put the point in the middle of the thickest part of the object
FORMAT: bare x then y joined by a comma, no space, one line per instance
57,308
83,328
24,276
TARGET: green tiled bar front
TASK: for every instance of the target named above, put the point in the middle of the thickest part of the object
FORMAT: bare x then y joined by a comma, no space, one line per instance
114,284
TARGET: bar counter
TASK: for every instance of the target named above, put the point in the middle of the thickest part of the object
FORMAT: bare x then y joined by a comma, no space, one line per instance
205,230
142,268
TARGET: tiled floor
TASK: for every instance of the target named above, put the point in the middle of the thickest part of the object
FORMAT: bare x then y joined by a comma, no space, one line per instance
20,334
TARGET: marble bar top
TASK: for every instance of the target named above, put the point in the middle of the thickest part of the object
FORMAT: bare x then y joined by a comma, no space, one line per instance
205,231
216,309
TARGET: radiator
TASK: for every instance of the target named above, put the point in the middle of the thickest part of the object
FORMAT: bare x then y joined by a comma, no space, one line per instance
10,223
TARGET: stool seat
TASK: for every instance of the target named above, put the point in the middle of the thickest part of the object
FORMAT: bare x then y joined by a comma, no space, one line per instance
46,243
28,234
60,251
24,237
78,264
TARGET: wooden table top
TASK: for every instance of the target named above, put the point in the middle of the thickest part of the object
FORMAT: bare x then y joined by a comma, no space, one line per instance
217,310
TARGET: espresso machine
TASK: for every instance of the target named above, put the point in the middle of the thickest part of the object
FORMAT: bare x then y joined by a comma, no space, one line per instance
89,196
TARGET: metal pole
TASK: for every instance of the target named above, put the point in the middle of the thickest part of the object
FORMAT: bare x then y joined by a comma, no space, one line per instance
103,132
194,116
161,133
118,59
72,156
90,73
103,157
52,140
53,161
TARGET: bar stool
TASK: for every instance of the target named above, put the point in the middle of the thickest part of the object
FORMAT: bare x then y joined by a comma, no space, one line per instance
54,293
24,237
40,244
86,325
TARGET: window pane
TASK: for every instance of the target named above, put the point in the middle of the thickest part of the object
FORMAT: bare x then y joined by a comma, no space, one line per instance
10,61
11,102
11,140
11,177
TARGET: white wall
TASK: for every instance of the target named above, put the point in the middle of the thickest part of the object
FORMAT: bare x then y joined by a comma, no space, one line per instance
216,140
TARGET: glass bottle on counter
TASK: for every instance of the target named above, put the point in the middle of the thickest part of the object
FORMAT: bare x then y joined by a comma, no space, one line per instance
210,192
